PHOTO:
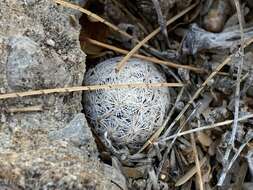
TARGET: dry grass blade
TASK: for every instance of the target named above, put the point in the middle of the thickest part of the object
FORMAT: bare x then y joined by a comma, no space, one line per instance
230,164
88,88
180,128
189,174
239,73
197,93
122,63
92,15
237,93
25,109
100,19
198,167
207,127
151,59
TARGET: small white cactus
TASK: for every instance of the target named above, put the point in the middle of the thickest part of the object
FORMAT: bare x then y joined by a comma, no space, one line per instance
129,116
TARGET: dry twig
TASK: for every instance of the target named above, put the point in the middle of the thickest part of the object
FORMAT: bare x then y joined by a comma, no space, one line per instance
161,20
94,16
189,174
195,152
25,109
100,19
237,97
88,88
239,73
220,124
122,63
230,164
151,59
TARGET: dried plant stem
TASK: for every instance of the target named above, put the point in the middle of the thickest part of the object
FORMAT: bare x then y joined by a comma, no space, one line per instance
88,88
100,19
225,62
220,124
189,174
191,102
161,20
122,63
230,164
25,109
197,93
151,59
90,14
180,128
237,97
239,73
195,152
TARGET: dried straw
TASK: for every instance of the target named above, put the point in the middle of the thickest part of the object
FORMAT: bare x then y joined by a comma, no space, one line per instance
87,88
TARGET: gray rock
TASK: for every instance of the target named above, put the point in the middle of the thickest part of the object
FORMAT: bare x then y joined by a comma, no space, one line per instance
28,61
77,132
76,13
23,59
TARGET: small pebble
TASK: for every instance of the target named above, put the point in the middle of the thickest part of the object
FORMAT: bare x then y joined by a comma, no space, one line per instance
50,42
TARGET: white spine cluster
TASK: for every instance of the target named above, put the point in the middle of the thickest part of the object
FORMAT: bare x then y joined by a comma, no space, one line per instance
131,115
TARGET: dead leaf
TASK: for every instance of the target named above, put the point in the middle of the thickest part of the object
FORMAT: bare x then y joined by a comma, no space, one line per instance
204,139
132,172
189,174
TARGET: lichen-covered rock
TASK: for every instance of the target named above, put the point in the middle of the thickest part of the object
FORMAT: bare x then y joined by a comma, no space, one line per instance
78,133
39,49
76,13
38,163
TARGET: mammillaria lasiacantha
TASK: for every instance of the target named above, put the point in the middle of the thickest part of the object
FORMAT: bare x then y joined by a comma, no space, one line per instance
129,116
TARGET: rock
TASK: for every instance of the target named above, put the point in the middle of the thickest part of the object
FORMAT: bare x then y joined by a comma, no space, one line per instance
27,62
39,49
27,67
56,165
50,42
77,132
76,13
250,91
117,178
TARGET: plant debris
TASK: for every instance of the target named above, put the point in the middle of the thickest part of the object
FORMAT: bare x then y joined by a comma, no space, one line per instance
204,141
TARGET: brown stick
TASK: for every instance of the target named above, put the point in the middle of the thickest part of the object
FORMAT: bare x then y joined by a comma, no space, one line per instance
151,59
88,88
